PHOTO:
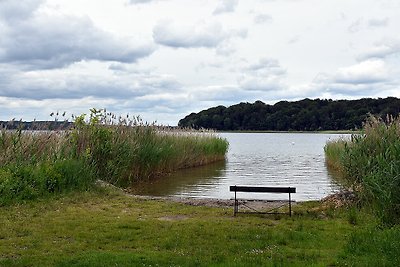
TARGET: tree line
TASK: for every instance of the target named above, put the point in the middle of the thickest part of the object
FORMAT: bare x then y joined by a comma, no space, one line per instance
303,115
35,125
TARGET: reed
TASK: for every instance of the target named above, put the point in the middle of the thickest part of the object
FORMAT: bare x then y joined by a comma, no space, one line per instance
120,150
370,162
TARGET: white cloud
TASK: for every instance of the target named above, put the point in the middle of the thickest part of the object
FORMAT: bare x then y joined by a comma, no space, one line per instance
369,78
265,75
369,71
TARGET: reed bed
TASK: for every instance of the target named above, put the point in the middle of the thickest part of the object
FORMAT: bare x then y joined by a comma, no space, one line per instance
119,150
370,164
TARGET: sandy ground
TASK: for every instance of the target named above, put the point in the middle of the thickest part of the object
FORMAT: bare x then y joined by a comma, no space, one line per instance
244,204
338,199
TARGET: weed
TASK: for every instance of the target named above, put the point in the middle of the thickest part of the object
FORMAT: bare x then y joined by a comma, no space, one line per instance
120,150
370,164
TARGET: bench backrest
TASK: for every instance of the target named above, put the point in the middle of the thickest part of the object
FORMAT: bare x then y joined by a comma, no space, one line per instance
260,189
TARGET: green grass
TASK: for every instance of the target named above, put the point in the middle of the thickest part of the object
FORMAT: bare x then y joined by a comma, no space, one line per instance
103,227
370,164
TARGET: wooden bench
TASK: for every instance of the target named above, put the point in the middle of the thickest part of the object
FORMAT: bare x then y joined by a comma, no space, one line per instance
260,189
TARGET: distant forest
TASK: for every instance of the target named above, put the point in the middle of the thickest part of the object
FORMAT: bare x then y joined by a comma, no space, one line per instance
303,115
35,125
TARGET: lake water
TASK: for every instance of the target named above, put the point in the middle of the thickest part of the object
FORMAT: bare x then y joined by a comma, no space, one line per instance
257,159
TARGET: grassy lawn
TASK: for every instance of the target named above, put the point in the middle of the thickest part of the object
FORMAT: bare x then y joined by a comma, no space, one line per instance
104,227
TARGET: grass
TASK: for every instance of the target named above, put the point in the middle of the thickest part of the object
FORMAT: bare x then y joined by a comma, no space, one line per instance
119,150
103,227
370,164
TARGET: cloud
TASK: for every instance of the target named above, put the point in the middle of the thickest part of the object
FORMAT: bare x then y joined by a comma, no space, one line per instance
50,41
378,22
369,71
355,26
81,81
11,10
193,36
265,75
140,1
225,6
382,49
226,93
263,18
360,24
367,78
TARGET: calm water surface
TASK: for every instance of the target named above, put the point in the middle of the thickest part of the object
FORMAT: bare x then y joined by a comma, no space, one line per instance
257,159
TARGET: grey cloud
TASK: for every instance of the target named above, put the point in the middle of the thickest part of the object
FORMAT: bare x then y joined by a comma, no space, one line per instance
353,89
201,35
140,1
51,42
41,85
265,75
11,10
230,93
355,26
382,49
365,78
360,24
267,66
378,22
263,18
225,6
294,39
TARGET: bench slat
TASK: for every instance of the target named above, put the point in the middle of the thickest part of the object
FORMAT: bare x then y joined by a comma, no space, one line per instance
258,189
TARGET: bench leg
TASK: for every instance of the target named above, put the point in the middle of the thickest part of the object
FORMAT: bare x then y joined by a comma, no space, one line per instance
290,206
235,207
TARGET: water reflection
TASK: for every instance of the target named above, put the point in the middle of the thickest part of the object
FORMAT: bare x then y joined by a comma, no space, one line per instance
184,182
257,159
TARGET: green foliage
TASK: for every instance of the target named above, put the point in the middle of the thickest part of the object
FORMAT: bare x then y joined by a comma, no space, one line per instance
303,115
370,163
25,182
118,150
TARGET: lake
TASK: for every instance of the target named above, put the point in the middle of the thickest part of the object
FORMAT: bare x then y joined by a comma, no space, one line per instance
257,159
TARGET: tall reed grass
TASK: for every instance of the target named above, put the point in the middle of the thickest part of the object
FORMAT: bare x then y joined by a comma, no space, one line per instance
370,163
120,150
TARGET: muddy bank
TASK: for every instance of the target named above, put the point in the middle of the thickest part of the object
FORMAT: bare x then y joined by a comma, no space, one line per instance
245,204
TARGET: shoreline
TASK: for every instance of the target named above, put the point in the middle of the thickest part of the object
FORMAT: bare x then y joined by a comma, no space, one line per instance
337,199
206,202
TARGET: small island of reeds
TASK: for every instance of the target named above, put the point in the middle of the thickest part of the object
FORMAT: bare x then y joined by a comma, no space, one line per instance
100,146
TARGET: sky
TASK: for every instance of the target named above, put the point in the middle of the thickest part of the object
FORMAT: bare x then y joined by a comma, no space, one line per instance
164,59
